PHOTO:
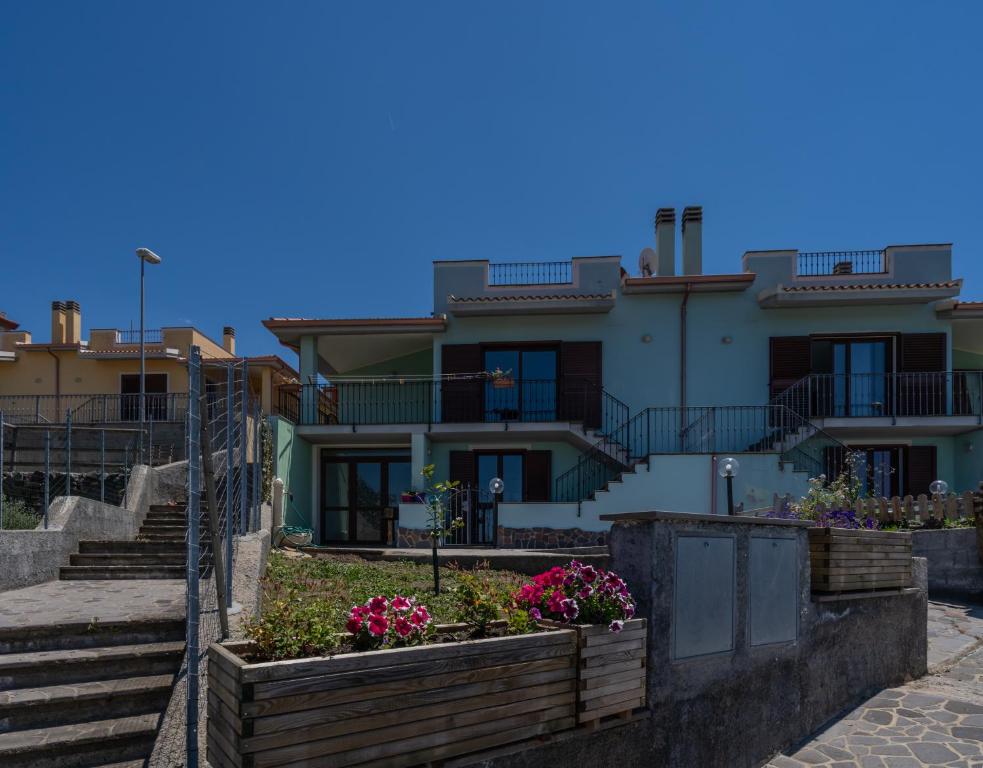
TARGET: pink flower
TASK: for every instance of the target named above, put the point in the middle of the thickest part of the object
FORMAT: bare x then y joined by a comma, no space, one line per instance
359,612
555,602
535,614
378,604
401,604
353,625
530,594
403,627
585,593
629,610
552,578
420,617
378,624
616,626
589,574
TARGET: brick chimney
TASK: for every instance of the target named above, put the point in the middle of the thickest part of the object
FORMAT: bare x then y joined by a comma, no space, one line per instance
229,339
73,322
665,242
58,322
693,240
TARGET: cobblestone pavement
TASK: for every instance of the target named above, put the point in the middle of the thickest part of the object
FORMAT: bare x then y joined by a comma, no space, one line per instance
79,602
934,721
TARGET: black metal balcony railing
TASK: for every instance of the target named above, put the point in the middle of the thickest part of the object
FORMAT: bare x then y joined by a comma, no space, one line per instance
150,336
872,395
530,273
813,263
92,409
698,430
467,399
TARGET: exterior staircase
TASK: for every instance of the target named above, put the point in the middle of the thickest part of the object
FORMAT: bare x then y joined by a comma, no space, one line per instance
75,695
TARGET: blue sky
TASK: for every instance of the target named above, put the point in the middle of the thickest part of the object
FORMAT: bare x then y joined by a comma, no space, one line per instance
313,158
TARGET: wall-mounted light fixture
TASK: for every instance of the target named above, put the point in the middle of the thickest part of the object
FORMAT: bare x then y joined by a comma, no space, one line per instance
727,340
646,338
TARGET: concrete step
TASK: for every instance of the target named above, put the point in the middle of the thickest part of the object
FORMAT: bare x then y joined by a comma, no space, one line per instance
131,547
107,572
175,515
163,526
57,705
117,558
56,637
161,537
80,745
42,668
181,507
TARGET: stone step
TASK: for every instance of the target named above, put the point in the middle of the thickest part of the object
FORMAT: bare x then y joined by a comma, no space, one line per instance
161,537
163,526
131,547
109,572
127,764
181,516
81,744
41,668
182,507
57,705
129,558
56,637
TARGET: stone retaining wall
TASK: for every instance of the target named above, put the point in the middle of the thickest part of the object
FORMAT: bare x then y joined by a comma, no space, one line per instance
520,538
954,565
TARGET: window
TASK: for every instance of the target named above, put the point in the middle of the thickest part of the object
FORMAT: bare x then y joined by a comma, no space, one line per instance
527,474
527,389
155,396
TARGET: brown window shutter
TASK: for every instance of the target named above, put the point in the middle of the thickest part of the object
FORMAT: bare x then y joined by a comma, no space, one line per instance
789,362
462,467
461,400
923,352
920,469
580,382
538,475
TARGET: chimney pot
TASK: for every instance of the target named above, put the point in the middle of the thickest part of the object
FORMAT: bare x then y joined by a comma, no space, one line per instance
73,322
693,240
229,339
665,242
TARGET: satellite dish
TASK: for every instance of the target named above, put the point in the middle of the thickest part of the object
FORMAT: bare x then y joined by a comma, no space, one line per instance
646,262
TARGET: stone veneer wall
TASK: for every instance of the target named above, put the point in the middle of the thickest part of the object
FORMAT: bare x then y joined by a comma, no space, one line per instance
954,564
520,538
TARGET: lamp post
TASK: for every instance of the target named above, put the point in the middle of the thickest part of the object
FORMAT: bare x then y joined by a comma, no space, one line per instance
145,255
496,487
727,468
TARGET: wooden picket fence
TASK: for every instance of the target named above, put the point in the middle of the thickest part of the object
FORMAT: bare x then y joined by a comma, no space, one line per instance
913,509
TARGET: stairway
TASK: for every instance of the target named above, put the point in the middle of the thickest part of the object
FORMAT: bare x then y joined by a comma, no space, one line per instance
157,553
79,696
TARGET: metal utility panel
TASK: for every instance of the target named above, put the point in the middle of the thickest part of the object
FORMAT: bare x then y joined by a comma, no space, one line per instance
703,603
774,586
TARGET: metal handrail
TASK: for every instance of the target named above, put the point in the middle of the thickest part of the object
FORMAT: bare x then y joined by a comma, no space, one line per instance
816,263
530,273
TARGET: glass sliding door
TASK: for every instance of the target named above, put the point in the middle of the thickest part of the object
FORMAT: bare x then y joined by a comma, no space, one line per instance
527,388
358,495
860,370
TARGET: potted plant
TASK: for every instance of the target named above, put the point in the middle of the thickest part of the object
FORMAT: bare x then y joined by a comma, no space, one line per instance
611,643
501,379
394,688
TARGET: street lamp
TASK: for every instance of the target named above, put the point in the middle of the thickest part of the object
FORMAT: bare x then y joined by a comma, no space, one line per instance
496,486
938,488
727,468
145,255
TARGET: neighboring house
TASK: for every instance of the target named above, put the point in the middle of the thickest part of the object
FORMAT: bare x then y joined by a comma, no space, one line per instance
99,379
589,391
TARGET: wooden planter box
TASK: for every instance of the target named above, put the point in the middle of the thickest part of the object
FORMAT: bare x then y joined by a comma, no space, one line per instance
402,706
844,560
611,669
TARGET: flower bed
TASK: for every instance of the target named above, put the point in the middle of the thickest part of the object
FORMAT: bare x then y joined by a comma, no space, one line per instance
405,705
849,560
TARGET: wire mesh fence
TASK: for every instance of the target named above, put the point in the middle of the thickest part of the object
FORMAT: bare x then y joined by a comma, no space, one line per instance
41,462
223,497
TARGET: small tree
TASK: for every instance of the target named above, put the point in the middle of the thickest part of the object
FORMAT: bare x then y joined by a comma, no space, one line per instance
435,498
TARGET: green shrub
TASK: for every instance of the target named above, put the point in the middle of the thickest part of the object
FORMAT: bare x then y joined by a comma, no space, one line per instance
18,516
478,602
294,626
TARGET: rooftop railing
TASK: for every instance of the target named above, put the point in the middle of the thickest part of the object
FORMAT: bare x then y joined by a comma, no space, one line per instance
150,336
530,273
815,263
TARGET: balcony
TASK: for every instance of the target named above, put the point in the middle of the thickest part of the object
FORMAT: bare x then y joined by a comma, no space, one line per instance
531,273
92,409
818,263
450,400
944,394
150,336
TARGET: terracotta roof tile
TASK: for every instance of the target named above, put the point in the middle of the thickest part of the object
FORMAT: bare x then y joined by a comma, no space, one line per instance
872,287
545,297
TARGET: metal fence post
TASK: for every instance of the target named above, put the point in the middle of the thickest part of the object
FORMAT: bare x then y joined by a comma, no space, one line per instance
150,454
102,465
257,459
68,452
243,445
1,470
229,390
47,475
194,525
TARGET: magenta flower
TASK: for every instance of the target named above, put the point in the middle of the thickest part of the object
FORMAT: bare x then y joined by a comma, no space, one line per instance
378,624
570,609
378,604
353,625
535,614
589,574
403,627
616,625
401,604
420,617
555,601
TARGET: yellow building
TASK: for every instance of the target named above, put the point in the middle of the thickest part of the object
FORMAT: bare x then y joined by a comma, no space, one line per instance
99,378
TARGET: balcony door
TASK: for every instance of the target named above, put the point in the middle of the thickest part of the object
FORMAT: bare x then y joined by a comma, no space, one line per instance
525,389
860,373
357,495
155,396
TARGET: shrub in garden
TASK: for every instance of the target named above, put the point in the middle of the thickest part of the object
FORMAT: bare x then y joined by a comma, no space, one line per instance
479,602
293,626
575,593
388,623
18,516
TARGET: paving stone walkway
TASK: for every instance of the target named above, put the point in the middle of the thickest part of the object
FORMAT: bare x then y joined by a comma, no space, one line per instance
934,721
